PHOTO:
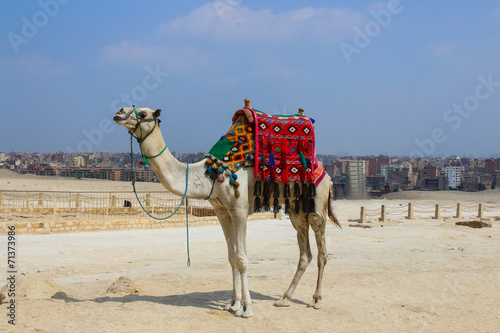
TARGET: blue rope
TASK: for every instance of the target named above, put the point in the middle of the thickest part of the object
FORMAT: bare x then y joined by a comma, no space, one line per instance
165,218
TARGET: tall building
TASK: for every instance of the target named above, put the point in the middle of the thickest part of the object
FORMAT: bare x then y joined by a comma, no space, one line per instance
356,171
452,171
375,164
491,165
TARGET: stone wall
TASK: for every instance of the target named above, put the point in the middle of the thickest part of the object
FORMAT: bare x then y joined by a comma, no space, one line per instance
47,227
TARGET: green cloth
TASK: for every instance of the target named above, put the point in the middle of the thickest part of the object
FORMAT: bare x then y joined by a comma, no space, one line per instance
221,148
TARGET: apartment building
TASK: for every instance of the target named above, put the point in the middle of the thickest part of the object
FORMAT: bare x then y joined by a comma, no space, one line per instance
452,172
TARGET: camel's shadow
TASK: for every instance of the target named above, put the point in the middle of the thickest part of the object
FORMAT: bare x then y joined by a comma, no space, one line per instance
213,300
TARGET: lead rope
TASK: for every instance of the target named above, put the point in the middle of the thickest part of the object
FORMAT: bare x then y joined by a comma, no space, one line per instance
164,218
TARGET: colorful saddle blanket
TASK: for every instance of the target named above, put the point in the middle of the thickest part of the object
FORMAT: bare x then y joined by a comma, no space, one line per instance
282,148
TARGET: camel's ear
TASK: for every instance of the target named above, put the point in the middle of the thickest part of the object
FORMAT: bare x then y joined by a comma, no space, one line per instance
157,113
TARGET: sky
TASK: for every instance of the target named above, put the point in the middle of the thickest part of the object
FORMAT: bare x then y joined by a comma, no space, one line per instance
419,78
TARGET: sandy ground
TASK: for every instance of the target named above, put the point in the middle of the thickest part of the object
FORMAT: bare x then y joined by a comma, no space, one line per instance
10,180
421,275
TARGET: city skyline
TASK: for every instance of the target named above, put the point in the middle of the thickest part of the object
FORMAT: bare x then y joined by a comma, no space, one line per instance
399,78
200,153
353,177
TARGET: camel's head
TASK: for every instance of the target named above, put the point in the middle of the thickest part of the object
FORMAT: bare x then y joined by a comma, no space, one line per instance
137,119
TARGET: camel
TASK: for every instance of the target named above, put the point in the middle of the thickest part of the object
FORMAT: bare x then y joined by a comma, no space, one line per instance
232,212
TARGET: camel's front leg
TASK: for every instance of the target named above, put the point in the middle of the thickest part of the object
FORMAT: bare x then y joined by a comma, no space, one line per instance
239,220
227,227
235,303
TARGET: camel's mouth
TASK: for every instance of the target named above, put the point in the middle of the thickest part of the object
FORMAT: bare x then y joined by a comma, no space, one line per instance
119,119
124,120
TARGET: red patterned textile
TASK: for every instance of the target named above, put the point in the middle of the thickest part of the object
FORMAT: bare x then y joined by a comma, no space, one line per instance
285,148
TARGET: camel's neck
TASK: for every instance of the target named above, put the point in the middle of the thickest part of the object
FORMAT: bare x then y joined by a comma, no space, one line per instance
172,173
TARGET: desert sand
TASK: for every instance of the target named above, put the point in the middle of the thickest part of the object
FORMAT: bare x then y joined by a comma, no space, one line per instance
421,275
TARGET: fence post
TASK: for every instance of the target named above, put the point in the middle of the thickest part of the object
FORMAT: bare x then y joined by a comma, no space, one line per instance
410,211
459,211
362,215
436,214
40,199
55,208
148,200
153,206
107,208
78,201
113,201
383,214
1,198
27,200
480,211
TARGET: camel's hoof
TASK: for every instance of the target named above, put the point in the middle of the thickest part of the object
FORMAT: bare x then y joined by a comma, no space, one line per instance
282,303
244,312
314,305
232,307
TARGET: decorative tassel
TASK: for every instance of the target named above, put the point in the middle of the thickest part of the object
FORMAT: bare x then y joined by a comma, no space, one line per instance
276,190
257,189
287,206
286,191
305,198
286,195
276,194
257,192
256,206
276,205
266,206
312,190
312,195
296,194
296,190
143,161
312,206
272,161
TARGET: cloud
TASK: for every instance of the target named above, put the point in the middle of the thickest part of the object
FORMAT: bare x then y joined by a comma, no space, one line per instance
240,22
443,49
378,6
171,56
224,32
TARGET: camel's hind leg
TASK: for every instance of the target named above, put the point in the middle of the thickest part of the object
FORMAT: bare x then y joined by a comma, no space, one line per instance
302,226
318,225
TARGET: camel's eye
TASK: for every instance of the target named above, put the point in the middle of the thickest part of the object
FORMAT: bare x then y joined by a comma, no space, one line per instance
142,114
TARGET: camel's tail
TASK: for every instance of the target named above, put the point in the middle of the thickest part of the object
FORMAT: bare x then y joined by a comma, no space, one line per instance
330,211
